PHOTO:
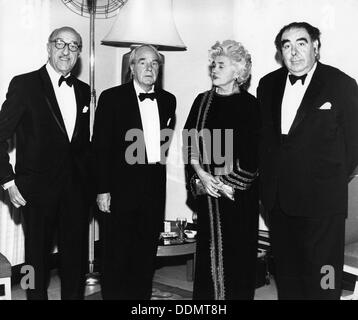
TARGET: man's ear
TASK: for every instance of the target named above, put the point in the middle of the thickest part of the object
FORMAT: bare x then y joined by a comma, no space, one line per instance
315,47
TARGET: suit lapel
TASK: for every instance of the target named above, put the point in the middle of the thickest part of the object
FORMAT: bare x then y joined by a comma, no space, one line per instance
79,106
133,101
276,106
162,110
51,100
310,95
135,118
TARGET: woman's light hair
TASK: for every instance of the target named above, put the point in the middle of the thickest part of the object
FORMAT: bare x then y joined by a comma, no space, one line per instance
238,55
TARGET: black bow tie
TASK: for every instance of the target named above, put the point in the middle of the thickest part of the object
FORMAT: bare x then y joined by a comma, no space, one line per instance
150,96
294,78
68,80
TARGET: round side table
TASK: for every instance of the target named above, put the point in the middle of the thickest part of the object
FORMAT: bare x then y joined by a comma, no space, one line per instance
178,249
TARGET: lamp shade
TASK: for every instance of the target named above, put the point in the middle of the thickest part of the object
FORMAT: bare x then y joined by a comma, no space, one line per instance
145,22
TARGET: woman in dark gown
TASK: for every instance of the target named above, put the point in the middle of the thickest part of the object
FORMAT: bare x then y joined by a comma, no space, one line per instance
220,146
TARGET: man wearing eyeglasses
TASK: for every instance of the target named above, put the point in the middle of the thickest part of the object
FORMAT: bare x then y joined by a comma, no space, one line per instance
48,110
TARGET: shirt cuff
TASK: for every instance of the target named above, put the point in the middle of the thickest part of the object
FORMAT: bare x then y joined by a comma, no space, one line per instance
8,184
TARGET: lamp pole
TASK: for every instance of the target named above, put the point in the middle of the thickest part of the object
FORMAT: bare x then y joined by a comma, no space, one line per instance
92,278
92,7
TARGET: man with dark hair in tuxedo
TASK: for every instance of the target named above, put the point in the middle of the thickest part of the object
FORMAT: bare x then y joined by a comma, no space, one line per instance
308,150
131,123
48,111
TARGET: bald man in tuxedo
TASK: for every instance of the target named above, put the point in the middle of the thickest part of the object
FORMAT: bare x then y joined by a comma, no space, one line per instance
48,110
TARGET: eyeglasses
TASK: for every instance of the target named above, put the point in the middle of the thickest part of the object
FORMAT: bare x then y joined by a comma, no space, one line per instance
60,44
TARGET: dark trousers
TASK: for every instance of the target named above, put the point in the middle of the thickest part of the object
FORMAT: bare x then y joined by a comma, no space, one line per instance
308,255
130,235
63,213
129,250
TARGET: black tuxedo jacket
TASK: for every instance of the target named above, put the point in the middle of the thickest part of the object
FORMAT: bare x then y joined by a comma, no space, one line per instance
44,154
309,170
118,135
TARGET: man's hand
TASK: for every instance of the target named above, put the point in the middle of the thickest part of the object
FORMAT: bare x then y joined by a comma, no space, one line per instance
15,196
104,202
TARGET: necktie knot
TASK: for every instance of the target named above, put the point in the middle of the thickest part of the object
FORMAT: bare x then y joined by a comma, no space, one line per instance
68,80
294,78
143,96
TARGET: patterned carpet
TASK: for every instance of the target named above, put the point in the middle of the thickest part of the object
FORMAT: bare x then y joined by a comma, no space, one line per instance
165,292
160,292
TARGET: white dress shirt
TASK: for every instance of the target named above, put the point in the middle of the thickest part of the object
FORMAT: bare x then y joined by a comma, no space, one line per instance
292,99
151,126
66,100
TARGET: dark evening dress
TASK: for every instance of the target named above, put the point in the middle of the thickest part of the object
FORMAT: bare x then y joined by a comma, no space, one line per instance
227,230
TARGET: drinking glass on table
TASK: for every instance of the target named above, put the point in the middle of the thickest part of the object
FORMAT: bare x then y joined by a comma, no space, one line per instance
181,224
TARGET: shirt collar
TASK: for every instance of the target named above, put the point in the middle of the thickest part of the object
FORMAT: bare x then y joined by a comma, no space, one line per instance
309,74
138,89
54,76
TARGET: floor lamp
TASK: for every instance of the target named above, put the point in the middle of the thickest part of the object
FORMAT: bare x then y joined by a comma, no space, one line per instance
93,9
92,277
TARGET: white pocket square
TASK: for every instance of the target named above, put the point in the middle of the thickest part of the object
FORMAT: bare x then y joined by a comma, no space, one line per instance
169,121
326,106
85,109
